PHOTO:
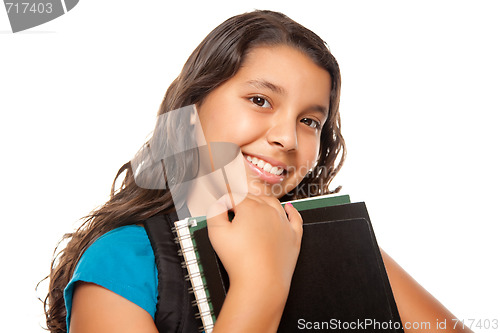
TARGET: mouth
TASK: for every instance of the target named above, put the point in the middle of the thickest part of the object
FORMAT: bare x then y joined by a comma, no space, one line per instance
269,173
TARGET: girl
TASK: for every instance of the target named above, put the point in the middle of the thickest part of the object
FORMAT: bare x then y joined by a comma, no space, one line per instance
270,86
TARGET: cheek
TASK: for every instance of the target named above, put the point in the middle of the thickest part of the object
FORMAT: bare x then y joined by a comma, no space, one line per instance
308,156
240,128
229,124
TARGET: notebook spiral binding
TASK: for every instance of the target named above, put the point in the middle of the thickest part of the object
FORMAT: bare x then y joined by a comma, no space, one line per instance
195,275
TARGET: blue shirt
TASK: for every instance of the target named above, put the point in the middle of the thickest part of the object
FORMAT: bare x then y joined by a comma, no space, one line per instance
123,262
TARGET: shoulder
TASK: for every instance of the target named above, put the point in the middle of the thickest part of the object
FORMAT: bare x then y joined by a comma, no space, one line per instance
131,240
123,262
122,250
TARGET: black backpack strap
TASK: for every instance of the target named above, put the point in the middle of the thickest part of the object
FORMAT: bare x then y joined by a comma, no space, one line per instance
174,311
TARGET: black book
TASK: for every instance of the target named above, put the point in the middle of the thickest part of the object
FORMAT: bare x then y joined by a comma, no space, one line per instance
339,283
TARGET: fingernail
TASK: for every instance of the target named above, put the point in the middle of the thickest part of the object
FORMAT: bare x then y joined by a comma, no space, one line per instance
289,204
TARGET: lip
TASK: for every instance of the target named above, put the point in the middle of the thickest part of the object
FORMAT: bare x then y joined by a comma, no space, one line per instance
264,175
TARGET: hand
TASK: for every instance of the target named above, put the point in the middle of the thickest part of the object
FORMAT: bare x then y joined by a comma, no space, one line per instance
261,245
259,250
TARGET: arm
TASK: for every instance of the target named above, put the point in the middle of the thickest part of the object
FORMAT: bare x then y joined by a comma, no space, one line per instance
114,284
415,304
96,310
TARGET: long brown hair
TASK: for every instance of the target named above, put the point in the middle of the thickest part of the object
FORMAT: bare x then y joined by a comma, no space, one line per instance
214,61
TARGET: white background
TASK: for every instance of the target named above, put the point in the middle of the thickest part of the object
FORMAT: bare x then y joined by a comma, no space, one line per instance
420,105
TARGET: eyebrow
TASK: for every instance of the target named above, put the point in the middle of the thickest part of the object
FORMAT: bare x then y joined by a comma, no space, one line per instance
261,83
324,111
267,85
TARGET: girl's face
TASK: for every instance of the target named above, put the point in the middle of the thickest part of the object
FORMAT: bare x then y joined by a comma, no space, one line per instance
273,108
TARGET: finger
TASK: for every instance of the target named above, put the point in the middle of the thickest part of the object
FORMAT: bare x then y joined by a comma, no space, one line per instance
236,198
254,197
217,212
294,217
273,202
248,204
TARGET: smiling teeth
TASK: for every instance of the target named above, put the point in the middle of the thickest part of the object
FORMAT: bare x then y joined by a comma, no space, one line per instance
265,166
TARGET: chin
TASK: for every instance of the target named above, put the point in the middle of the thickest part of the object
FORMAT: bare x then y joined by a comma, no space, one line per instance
262,189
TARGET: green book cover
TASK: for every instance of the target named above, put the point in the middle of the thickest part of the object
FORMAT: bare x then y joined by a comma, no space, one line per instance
196,223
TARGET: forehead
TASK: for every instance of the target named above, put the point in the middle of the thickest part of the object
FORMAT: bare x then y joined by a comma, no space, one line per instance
288,69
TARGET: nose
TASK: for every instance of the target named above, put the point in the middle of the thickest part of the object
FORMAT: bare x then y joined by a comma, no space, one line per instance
283,133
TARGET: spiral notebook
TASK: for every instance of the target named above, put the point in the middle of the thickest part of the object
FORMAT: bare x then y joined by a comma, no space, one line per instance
339,278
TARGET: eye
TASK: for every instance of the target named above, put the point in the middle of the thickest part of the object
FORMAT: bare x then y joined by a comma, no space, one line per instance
311,123
260,101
